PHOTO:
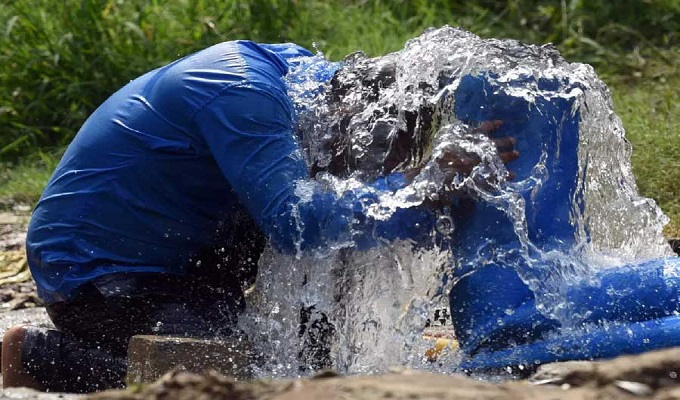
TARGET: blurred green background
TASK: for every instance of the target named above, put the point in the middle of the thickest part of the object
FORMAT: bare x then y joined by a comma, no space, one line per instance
60,59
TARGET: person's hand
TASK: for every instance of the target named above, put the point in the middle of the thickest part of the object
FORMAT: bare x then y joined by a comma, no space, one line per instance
458,160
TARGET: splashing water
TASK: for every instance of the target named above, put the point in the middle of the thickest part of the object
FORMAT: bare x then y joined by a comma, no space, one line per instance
398,112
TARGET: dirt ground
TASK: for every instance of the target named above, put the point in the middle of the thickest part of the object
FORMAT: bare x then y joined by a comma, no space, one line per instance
652,375
17,289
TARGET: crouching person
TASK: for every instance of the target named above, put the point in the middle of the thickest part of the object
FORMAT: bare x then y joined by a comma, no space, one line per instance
154,219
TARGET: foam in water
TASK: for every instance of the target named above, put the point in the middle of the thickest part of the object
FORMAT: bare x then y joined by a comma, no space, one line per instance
377,301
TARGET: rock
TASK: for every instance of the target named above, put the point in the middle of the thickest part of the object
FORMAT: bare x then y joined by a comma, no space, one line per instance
655,369
149,357
405,385
12,230
12,238
20,208
182,385
17,296
9,218
555,373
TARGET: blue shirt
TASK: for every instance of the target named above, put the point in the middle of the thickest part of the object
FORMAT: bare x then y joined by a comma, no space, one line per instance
153,171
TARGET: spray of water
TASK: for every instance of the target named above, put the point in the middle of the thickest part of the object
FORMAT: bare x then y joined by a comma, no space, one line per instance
395,113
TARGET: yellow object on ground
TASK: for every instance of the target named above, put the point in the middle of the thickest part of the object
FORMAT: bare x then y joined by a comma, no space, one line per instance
443,339
13,267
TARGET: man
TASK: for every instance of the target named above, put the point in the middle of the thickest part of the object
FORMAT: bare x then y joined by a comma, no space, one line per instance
147,225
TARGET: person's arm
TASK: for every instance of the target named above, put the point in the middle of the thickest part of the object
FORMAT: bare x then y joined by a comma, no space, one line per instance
249,131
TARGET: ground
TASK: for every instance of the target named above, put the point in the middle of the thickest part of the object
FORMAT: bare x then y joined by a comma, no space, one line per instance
17,290
652,375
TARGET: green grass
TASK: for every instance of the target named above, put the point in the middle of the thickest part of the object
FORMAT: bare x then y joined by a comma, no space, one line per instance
23,182
650,111
60,59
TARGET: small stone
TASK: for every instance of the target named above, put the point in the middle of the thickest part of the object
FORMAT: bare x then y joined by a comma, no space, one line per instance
557,373
9,219
21,208
636,388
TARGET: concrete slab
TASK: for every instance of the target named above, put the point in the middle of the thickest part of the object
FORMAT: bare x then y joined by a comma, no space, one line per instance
150,357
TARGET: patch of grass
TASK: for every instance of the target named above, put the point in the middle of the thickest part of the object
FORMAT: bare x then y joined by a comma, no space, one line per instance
23,182
650,111
60,59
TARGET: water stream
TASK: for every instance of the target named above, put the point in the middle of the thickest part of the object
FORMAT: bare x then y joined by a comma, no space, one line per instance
395,113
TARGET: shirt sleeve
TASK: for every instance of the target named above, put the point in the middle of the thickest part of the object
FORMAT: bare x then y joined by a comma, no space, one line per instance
249,130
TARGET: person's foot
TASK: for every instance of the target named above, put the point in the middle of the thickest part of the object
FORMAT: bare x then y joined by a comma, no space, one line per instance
13,373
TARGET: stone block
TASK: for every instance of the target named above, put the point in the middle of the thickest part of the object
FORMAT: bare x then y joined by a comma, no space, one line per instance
150,357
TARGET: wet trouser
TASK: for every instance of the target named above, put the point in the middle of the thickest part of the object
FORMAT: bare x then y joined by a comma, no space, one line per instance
317,334
88,350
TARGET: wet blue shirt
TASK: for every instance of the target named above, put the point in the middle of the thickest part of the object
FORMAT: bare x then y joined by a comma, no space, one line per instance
153,171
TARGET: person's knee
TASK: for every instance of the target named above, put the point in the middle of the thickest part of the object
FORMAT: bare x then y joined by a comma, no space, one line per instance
12,369
15,333
14,337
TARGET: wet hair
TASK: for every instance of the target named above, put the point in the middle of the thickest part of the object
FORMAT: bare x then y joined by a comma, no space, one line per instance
399,138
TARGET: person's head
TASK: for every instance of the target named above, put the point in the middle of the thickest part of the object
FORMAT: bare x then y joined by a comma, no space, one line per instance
371,133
